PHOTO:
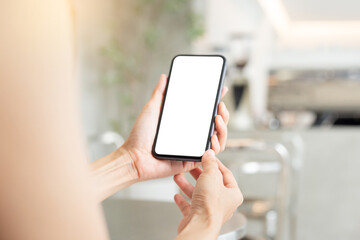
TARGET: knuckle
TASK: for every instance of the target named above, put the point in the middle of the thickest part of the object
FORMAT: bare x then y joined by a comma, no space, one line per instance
221,120
222,147
218,174
227,171
240,197
223,130
211,170
217,148
227,113
214,171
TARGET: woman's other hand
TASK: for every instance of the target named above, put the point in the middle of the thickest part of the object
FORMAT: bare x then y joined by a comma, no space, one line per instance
214,199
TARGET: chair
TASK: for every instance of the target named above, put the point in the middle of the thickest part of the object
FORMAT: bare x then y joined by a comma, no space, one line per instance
281,209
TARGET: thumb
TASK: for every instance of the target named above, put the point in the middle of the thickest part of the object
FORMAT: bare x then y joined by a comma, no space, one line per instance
208,160
159,90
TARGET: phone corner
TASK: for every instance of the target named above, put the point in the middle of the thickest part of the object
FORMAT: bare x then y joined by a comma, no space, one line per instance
176,56
222,57
153,152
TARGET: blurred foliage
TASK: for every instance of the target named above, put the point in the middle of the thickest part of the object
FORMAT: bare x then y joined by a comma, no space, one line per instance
196,28
119,64
151,36
126,57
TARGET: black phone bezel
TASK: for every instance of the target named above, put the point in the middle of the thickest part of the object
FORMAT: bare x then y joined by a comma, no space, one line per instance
212,123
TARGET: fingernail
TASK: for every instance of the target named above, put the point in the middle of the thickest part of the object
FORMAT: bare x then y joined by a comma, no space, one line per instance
211,152
223,106
214,136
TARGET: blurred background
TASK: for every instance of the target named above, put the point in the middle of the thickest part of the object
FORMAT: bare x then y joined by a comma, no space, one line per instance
294,99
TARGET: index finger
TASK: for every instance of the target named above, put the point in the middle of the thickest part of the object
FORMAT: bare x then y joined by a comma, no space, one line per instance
228,177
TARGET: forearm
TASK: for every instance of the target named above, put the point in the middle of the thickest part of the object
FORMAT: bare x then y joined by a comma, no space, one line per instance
199,228
112,173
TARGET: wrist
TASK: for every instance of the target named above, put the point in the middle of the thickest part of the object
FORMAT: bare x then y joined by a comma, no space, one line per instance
201,227
114,172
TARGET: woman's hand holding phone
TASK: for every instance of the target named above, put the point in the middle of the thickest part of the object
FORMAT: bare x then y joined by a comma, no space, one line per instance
214,199
134,162
139,144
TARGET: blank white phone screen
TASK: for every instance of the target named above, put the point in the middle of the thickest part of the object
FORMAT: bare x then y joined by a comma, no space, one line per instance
189,105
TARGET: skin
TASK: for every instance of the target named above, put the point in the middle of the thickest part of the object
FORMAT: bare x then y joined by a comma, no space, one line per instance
214,199
141,138
45,186
136,151
47,189
216,194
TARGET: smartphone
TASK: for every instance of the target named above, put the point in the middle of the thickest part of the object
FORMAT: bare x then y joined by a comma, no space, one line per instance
190,105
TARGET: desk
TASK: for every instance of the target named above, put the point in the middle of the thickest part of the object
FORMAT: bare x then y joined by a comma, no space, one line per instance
150,220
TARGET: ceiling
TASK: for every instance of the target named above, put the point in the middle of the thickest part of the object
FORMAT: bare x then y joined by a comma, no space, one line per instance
322,10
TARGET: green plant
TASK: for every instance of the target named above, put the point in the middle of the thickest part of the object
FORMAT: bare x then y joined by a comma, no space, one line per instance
145,37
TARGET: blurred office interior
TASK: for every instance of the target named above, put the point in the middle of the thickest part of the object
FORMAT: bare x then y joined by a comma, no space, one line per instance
294,79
